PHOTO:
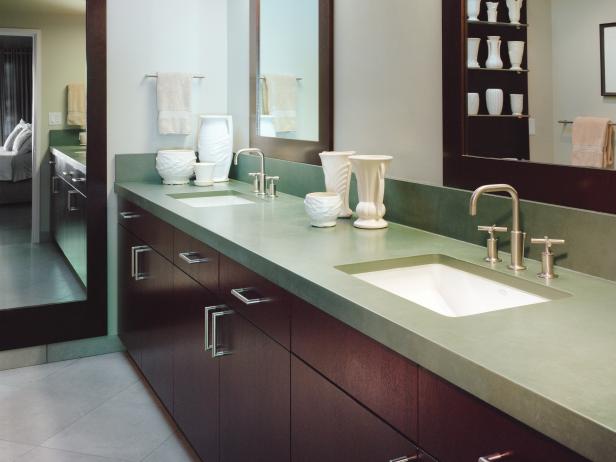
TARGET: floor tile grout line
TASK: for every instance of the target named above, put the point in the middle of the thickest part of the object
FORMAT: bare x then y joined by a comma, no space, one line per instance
76,453
159,446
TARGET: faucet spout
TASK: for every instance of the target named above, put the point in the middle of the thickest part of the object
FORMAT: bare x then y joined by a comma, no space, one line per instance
259,177
492,188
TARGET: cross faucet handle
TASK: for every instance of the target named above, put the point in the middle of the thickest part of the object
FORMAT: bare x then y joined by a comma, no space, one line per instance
492,229
548,243
492,243
547,257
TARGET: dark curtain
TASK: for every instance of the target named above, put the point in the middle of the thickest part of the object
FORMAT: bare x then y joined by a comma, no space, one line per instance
15,89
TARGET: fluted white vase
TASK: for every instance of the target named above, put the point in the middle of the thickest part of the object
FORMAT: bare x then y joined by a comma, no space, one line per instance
337,170
494,58
216,144
473,8
472,52
516,54
517,104
515,9
473,103
494,101
370,173
492,11
176,166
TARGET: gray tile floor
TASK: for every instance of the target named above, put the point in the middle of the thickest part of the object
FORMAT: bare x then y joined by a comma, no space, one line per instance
31,275
95,409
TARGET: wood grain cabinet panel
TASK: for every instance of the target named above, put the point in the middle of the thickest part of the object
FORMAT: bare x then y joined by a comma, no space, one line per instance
196,259
380,379
457,427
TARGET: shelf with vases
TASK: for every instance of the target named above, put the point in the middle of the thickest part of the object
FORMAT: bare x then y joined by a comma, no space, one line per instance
501,116
485,69
501,24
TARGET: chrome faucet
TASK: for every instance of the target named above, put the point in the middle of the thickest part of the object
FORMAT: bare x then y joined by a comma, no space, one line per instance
259,178
517,236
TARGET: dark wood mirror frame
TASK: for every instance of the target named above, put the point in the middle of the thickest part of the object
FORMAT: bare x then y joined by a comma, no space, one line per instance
584,188
602,28
297,150
41,325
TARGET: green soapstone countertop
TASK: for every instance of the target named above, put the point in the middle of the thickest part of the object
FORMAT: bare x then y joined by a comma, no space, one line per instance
76,153
550,365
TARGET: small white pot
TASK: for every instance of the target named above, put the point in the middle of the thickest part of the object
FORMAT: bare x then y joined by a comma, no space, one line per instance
473,104
515,9
492,11
337,170
473,8
176,166
204,173
494,57
494,101
323,208
517,104
472,53
516,54
370,173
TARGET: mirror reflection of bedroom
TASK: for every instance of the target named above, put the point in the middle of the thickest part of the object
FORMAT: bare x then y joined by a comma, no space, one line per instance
42,153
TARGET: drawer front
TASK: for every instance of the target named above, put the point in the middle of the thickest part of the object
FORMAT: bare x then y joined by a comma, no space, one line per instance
153,231
383,381
196,259
457,427
258,300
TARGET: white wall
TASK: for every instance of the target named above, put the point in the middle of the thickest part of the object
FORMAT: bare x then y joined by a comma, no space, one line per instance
388,93
149,36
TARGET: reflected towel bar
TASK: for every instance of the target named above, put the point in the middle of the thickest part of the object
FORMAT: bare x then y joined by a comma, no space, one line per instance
299,79
154,76
570,122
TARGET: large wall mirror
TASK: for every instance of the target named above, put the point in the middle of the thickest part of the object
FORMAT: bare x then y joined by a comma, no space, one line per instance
291,78
53,172
608,59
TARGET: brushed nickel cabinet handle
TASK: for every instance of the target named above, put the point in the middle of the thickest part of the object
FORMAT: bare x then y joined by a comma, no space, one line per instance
404,459
249,296
193,258
496,456
54,185
69,202
78,180
218,350
135,252
129,215
209,310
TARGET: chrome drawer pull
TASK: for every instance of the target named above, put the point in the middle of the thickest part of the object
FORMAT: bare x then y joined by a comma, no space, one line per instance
69,203
249,296
129,215
495,457
218,350
78,180
208,310
135,252
193,258
404,459
54,184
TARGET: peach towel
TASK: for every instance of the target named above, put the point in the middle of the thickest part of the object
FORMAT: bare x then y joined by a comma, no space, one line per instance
592,142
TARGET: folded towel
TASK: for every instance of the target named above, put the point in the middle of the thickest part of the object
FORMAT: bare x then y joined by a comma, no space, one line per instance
76,102
592,142
174,94
280,101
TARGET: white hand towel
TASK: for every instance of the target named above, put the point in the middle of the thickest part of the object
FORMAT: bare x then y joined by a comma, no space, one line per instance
174,95
592,142
281,101
76,102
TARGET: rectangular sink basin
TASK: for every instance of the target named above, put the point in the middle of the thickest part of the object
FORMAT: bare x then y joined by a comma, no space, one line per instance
451,287
213,199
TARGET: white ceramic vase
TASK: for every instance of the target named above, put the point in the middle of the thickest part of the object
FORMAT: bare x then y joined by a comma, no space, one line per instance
473,104
517,104
494,101
323,208
216,144
370,173
337,170
516,54
472,53
176,166
515,8
473,8
492,11
494,58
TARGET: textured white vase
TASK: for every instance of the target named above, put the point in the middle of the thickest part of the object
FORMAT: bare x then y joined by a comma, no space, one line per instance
492,11
370,173
473,103
337,170
176,166
473,8
472,52
516,54
323,208
517,104
515,8
494,101
494,58
216,144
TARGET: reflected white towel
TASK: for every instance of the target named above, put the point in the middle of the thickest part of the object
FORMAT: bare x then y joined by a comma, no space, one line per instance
76,102
592,142
174,95
280,101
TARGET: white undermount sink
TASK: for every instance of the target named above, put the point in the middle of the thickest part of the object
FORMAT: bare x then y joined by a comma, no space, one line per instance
213,199
451,287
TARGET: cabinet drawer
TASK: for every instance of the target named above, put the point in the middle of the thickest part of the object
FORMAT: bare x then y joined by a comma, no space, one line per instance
258,300
153,231
196,259
457,427
383,381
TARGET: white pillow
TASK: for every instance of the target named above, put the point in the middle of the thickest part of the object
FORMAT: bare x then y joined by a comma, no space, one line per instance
8,144
24,136
26,143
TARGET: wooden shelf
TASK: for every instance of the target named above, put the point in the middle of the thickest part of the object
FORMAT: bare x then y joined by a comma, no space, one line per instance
502,116
501,24
485,69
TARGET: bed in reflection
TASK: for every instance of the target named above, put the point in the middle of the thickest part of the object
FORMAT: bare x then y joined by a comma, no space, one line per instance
16,167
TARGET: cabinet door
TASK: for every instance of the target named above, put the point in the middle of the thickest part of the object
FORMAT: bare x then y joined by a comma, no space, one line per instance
195,372
254,394
329,426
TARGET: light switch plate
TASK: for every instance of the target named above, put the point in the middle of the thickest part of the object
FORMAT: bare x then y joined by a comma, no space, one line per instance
55,118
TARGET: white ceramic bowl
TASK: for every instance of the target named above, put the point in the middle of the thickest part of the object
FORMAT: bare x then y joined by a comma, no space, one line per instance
176,166
323,208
